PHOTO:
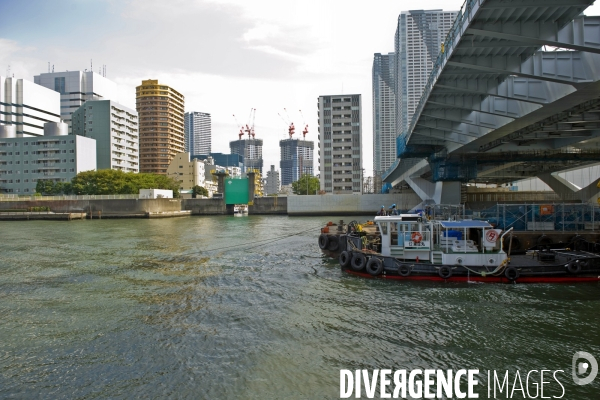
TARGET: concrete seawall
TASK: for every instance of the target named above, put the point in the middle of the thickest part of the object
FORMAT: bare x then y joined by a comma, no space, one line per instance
261,206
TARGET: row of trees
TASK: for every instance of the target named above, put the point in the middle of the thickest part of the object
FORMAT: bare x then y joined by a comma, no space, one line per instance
307,184
108,181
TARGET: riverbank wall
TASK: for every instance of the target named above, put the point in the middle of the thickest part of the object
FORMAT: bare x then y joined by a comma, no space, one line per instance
261,206
349,204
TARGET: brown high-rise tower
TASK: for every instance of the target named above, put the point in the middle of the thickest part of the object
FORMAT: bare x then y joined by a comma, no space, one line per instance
160,111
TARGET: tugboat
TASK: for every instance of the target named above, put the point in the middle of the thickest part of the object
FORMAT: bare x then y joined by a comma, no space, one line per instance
411,247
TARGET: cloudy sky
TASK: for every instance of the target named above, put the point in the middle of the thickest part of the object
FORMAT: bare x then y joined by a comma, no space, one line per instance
224,56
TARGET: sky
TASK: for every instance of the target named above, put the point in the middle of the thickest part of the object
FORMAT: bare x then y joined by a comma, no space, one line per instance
225,56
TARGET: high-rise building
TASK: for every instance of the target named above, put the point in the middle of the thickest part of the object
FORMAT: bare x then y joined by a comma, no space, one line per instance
340,135
418,42
115,128
27,106
296,159
197,129
251,150
160,111
77,87
272,184
384,114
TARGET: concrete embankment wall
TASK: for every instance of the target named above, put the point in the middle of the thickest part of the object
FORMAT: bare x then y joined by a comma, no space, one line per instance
261,206
105,208
348,204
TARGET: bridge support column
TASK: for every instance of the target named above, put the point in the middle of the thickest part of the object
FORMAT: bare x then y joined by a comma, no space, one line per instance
436,192
567,191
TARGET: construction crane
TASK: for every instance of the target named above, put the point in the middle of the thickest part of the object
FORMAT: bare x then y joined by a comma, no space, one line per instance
305,130
241,127
288,123
250,128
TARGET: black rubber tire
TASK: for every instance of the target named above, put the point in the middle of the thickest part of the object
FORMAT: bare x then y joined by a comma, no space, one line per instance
544,241
323,241
345,258
334,243
445,272
374,266
511,273
574,267
516,244
404,270
358,262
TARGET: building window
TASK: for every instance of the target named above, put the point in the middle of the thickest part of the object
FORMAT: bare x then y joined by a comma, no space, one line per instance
59,85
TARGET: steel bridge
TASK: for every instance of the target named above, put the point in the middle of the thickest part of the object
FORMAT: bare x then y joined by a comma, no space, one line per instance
514,94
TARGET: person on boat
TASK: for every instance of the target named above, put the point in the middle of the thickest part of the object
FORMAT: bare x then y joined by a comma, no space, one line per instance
393,210
382,212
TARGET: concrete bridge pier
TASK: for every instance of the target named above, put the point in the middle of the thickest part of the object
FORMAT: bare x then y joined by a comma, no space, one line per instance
436,192
567,191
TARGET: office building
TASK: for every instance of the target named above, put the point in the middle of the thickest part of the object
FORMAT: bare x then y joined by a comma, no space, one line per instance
75,88
55,156
160,110
27,106
296,159
251,151
115,129
384,115
418,42
340,136
272,184
224,160
197,128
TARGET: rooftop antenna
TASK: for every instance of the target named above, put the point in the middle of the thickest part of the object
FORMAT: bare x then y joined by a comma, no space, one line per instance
91,66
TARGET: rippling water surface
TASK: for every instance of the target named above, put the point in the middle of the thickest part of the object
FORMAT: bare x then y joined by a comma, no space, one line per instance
226,307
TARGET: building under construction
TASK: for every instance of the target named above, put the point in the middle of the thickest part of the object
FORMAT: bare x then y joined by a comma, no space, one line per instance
296,159
251,148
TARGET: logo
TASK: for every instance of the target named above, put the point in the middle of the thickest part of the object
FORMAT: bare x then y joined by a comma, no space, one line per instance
491,236
582,367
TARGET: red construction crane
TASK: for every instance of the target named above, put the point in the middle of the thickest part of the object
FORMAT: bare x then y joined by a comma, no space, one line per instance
240,127
305,130
289,124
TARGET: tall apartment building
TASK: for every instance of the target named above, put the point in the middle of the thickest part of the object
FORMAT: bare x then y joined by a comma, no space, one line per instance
296,159
384,114
115,128
418,42
160,111
75,88
27,106
197,128
272,184
55,156
340,135
250,150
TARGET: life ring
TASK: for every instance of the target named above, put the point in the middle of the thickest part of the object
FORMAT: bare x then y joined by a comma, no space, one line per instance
416,237
445,272
374,266
323,241
574,267
334,243
358,261
345,258
404,270
511,273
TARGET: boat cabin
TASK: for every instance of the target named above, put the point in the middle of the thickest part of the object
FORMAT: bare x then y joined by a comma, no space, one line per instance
466,242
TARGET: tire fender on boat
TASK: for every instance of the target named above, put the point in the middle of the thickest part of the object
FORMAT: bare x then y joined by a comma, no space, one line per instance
358,261
323,241
334,243
345,258
445,272
574,267
404,270
511,273
544,240
374,266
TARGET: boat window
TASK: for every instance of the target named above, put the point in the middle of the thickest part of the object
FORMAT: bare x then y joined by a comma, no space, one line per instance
383,226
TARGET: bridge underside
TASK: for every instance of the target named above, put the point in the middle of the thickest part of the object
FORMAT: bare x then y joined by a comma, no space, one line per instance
515,95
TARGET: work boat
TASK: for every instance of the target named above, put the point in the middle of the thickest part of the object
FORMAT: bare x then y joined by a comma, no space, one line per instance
413,247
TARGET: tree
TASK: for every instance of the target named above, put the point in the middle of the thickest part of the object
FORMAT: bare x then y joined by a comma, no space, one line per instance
45,187
307,184
199,190
108,181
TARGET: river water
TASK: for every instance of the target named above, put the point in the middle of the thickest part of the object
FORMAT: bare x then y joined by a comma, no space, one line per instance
229,307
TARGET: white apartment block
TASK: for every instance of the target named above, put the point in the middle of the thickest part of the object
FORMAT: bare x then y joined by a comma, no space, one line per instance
188,172
27,106
340,136
77,87
116,130
418,42
197,131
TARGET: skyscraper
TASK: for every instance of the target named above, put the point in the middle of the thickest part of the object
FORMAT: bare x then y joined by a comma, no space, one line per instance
251,150
272,183
160,110
197,128
75,88
340,135
296,159
384,114
418,42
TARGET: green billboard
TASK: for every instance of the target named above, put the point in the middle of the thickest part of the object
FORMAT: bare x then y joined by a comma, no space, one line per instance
236,191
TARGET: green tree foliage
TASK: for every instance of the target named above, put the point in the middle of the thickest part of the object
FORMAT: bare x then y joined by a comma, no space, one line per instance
307,184
109,181
199,191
